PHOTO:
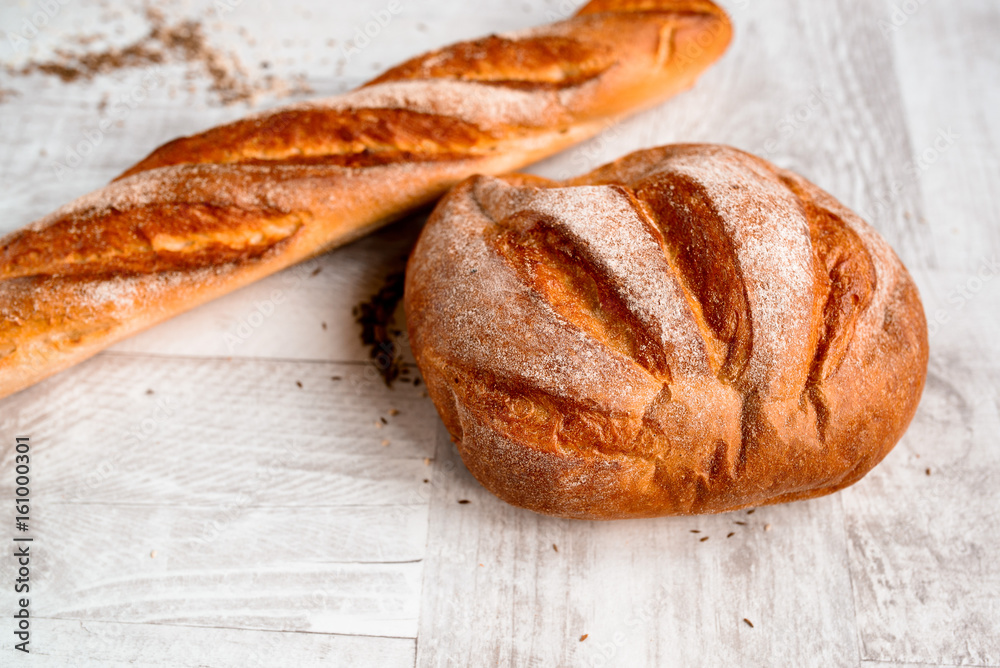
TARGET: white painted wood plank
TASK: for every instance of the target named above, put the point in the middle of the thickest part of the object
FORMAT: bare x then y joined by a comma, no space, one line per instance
161,539
297,585
88,644
926,585
320,570
215,429
647,592
352,599
949,65
84,555
309,569
894,664
270,506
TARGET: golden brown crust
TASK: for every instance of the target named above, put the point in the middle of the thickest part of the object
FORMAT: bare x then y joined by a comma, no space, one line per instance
686,330
528,62
206,214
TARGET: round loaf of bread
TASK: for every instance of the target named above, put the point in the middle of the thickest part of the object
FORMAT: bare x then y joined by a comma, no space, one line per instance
686,330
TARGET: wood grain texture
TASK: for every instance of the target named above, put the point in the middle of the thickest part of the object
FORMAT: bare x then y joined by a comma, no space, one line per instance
927,587
266,509
87,644
899,570
877,664
647,592
239,417
947,63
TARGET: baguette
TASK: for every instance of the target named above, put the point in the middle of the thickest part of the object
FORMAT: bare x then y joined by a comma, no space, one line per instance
686,330
206,214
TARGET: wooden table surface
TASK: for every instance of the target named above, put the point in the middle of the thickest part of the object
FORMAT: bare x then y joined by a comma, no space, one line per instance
219,492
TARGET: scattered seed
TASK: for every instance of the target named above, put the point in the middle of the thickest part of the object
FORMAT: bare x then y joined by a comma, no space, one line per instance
375,316
427,461
385,442
750,512
184,41
748,622
741,523
463,501
555,547
426,480
384,421
767,527
299,383
695,531
416,381
316,271
378,425
150,392
393,411
584,637
730,534
702,540
928,471
152,555
335,378
324,325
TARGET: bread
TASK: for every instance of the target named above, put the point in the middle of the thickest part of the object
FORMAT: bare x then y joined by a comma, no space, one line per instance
686,330
204,215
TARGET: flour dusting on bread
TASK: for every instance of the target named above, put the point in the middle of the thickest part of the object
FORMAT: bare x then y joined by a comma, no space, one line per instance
533,306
